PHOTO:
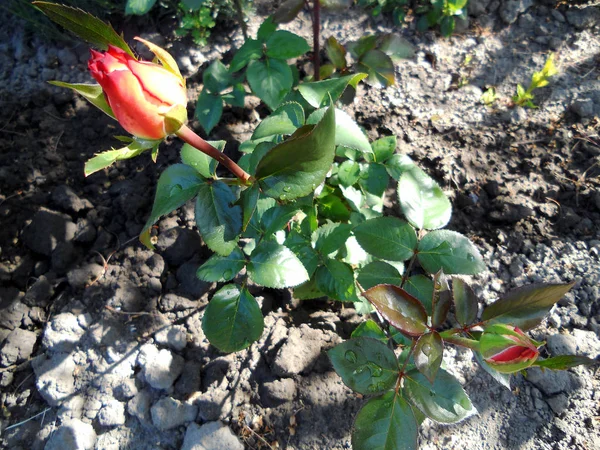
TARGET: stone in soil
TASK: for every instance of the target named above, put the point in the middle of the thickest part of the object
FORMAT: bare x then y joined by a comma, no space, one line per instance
55,381
17,347
112,414
72,435
190,379
160,368
64,332
215,403
139,406
210,436
47,229
66,199
274,393
178,244
172,336
169,413
552,382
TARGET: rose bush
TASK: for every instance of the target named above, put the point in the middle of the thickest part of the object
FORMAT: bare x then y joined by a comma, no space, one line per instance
507,349
141,94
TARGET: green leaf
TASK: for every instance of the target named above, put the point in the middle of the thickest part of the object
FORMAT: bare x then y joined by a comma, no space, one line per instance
379,68
287,11
209,109
277,217
466,302
257,155
336,280
336,53
384,148
266,29
298,165
358,48
177,185
330,237
396,47
347,132
286,119
218,219
222,268
387,238
450,251
307,291
204,164
232,320
386,423
564,362
428,354
423,203
443,401
348,173
107,158
365,365
526,306
304,251
275,266
332,207
248,201
502,378
270,80
370,329
236,97
319,93
397,164
91,92
447,26
441,300
250,50
420,287
138,7
286,45
373,179
216,78
399,308
378,272
87,27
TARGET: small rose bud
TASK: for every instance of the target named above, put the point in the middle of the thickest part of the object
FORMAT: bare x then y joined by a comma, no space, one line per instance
507,349
141,94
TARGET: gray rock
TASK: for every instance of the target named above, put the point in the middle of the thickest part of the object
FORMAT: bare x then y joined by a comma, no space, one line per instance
584,108
169,413
55,381
86,231
126,390
161,368
72,408
63,256
477,7
81,277
510,10
216,403
559,403
63,333
210,436
553,382
174,303
154,266
139,406
173,336
189,283
17,347
72,435
12,309
274,393
39,293
588,343
128,297
583,18
66,199
47,229
190,379
299,353
562,344
178,245
112,414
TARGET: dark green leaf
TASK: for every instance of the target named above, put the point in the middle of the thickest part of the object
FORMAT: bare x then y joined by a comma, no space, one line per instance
466,302
387,238
332,207
222,268
370,329
266,29
428,354
358,48
139,7
270,80
348,173
304,251
232,320
330,237
288,11
379,68
318,93
236,97
441,301
378,272
107,158
248,201
91,92
421,287
204,164
386,423
447,26
384,148
336,53
298,165
218,219
286,45
274,219
373,179
347,132
286,119
307,291
275,266
365,365
564,362
398,307
336,280
422,201
208,110
443,401
396,47
87,27
216,78
250,50
256,156
450,251
526,306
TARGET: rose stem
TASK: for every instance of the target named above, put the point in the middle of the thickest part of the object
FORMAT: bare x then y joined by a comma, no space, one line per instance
197,142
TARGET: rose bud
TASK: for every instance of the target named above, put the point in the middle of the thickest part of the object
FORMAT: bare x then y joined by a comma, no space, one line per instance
507,349
141,94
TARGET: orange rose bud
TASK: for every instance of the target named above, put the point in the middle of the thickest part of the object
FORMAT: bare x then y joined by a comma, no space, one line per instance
507,349
140,93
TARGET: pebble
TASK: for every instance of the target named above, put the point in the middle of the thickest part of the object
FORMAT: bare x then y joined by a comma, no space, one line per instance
210,436
55,380
172,336
112,414
47,229
169,413
63,333
17,347
72,435
274,393
160,368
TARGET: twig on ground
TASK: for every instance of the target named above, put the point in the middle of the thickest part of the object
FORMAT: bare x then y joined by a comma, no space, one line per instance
27,420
